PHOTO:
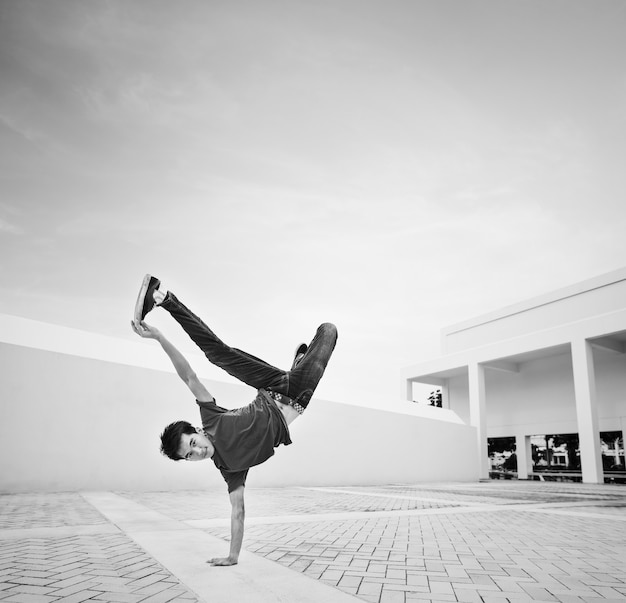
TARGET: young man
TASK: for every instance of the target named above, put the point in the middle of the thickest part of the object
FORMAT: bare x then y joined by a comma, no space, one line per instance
244,437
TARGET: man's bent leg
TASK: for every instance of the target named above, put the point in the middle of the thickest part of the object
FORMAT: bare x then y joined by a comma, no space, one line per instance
304,378
241,365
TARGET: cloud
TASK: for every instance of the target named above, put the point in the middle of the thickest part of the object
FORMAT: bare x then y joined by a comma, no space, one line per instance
19,128
478,195
10,228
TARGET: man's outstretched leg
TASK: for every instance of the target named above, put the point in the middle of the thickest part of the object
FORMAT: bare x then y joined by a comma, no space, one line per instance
297,385
243,366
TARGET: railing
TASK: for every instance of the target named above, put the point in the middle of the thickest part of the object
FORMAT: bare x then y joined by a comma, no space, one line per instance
500,474
537,475
614,477
556,476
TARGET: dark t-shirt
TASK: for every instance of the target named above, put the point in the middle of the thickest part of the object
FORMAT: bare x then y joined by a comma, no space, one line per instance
243,437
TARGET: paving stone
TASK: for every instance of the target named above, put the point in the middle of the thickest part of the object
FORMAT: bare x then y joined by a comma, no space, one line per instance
539,594
332,575
392,596
29,598
79,596
26,579
417,580
162,597
349,581
430,597
408,588
607,592
31,590
75,588
68,582
398,574
468,596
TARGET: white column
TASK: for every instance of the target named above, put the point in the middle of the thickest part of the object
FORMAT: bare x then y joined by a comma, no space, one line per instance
445,395
524,456
408,391
478,414
587,412
623,432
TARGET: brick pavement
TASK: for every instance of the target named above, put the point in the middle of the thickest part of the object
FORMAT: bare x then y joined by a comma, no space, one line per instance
491,542
47,555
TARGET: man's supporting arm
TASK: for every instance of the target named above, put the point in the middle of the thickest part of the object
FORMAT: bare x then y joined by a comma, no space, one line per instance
237,518
183,368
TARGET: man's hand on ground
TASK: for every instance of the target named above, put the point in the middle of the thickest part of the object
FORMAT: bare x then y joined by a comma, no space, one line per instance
222,561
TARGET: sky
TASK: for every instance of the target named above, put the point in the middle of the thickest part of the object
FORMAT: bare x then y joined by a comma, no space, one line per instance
392,167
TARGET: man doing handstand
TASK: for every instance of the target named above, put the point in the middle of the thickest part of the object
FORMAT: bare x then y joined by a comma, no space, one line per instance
244,437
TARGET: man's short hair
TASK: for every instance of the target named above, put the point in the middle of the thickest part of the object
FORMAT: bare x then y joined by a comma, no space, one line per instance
170,438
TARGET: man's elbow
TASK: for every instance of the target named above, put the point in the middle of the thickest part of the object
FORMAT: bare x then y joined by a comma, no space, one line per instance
199,391
190,378
238,508
239,512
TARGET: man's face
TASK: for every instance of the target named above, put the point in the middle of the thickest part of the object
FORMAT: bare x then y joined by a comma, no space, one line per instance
195,447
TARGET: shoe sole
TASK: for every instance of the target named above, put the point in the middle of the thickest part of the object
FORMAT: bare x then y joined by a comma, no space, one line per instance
298,355
141,298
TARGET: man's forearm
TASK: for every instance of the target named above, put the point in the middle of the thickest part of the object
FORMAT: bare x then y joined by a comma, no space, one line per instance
236,534
183,368
237,518
236,538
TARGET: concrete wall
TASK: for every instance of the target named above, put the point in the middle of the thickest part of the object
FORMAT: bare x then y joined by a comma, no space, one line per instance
70,422
539,399
601,295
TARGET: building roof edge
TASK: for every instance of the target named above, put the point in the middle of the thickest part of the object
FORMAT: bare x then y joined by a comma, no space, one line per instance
550,297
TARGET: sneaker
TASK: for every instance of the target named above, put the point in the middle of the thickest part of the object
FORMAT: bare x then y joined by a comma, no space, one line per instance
145,300
299,355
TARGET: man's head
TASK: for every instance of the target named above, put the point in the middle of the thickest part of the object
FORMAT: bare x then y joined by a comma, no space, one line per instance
181,440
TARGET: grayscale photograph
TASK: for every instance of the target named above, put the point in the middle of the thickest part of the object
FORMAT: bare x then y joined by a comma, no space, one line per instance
312,301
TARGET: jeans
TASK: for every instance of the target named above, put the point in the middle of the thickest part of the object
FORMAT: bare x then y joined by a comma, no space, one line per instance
297,384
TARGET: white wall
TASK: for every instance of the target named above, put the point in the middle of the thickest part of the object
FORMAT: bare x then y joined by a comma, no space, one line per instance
458,396
539,399
69,422
610,385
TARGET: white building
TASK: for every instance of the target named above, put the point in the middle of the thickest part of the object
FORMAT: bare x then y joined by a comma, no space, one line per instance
552,364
